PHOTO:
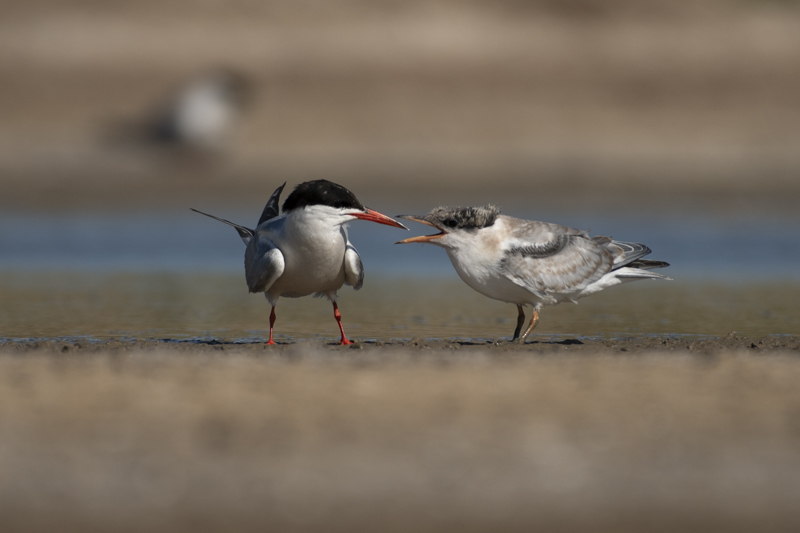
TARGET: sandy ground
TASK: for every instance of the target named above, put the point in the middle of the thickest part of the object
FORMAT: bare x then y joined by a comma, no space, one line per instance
630,435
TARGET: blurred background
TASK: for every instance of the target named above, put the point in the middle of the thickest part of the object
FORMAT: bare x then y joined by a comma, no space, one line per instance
676,124
673,123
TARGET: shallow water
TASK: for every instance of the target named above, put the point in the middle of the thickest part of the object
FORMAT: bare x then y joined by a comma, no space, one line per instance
218,306
698,248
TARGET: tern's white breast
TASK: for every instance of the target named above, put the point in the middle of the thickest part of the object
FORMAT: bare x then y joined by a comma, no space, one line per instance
477,257
313,251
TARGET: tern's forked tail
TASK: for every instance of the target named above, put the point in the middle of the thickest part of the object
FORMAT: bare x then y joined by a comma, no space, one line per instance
245,233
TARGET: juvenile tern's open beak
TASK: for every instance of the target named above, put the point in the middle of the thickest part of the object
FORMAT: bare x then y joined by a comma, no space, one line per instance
374,216
421,238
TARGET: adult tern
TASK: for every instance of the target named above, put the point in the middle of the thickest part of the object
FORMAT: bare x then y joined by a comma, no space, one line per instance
304,248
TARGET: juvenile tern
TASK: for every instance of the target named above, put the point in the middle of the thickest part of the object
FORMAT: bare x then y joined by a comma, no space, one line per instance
525,262
304,248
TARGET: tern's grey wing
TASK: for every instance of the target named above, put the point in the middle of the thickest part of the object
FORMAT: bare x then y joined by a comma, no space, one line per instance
263,264
624,253
628,254
353,267
273,208
550,258
534,233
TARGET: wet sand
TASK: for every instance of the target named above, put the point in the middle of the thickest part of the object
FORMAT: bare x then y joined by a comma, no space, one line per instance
624,435
386,350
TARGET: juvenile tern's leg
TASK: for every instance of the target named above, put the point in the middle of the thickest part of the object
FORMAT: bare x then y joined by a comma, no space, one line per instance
534,321
271,323
338,316
520,321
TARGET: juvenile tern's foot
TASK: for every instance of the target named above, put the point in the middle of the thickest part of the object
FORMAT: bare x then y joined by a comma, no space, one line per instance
534,321
520,321
271,324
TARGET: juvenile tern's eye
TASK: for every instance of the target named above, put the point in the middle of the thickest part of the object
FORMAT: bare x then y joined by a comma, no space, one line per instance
450,223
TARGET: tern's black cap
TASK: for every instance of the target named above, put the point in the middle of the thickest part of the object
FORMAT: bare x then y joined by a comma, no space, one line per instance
321,192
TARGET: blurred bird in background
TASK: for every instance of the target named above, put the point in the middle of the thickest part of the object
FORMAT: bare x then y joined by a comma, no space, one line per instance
196,119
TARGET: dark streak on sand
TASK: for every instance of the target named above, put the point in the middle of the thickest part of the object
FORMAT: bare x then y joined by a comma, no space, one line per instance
541,346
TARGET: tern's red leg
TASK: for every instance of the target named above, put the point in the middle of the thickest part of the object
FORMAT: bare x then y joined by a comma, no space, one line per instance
534,321
271,323
520,321
338,316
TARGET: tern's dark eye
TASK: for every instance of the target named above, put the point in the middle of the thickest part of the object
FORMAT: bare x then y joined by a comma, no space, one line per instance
450,223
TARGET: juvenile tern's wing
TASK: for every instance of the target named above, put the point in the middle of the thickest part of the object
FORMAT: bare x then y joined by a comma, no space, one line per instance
263,263
552,259
624,253
629,254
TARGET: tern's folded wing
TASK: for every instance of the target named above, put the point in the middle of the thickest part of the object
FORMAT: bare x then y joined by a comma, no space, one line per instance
263,264
563,264
353,267
272,209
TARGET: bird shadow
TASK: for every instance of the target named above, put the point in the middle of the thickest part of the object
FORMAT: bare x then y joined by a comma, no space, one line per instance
564,342
217,342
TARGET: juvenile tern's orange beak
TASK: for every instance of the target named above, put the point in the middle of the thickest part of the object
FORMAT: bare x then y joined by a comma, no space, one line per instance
374,216
421,238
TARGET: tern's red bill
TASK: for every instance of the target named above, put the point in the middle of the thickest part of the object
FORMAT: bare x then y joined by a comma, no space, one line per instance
374,216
